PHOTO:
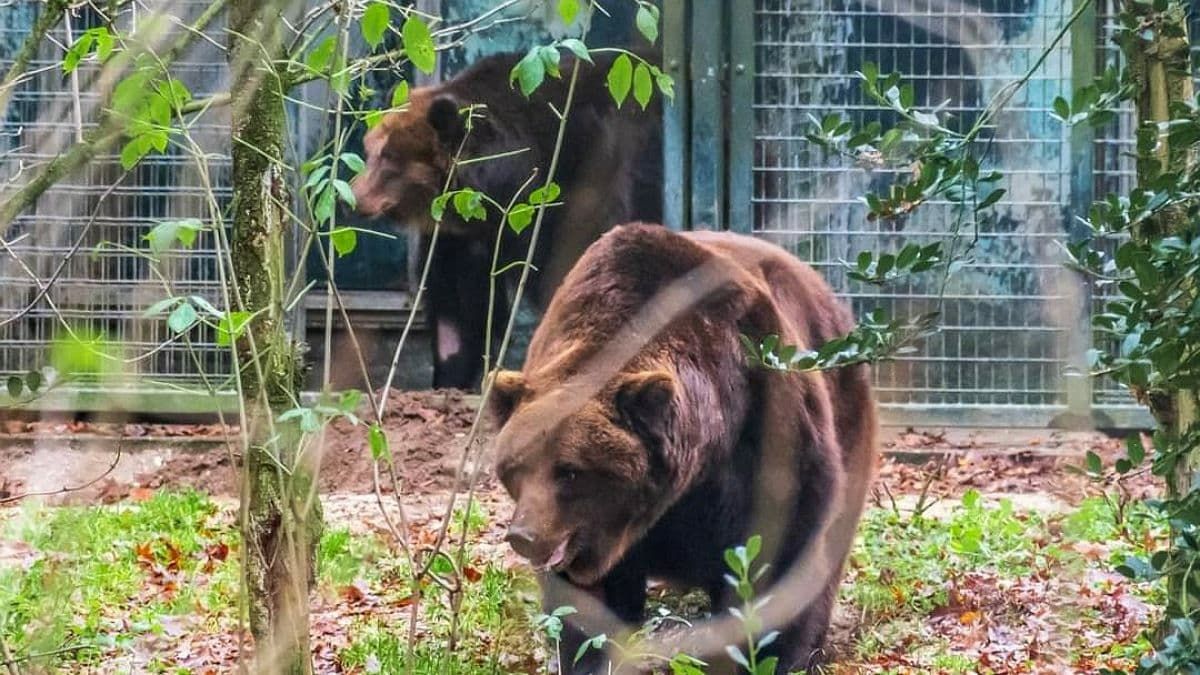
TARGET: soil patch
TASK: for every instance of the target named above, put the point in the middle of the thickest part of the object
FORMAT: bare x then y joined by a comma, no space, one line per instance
427,432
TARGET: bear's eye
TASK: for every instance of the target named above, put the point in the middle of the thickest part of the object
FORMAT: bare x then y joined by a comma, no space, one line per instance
565,474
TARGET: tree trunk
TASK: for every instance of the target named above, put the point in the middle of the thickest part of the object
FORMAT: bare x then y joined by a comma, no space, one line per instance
281,516
1161,71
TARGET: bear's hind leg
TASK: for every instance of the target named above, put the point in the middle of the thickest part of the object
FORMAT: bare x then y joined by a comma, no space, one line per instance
801,645
456,308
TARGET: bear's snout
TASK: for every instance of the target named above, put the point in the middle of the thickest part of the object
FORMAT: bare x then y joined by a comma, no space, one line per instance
541,552
522,539
369,199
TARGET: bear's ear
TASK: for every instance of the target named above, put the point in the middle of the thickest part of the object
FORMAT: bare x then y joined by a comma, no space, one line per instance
508,387
643,400
443,115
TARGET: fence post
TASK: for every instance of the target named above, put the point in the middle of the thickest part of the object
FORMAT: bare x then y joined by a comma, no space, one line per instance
676,117
741,116
1083,70
707,80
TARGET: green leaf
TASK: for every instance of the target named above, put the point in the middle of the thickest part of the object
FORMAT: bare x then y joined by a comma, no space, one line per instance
133,152
164,235
733,562
317,177
81,48
577,48
130,93
1094,464
322,55
545,194
182,317
643,87
15,386
80,353
1135,449
33,380
684,664
344,240
160,307
104,43
345,192
231,327
400,94
737,656
349,400
870,73
326,201
375,22
205,306
437,208
666,84
1062,109
970,498
753,547
768,665
469,204
520,217
568,10
647,21
418,44
175,94
529,72
992,198
339,79
550,57
353,162
620,78
379,443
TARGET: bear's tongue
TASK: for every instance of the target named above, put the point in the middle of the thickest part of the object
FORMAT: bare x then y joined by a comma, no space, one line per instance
556,558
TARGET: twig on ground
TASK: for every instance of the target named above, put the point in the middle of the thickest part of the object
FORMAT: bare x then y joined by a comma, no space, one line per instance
66,488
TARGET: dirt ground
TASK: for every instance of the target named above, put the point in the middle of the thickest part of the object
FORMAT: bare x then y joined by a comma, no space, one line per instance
427,432
108,462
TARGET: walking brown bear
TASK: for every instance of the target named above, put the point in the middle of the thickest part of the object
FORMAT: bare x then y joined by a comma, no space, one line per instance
609,172
638,441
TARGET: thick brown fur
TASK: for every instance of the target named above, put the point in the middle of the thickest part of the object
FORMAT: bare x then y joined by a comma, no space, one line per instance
652,466
609,172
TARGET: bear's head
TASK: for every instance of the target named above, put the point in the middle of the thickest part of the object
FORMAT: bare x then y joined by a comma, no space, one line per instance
408,155
589,477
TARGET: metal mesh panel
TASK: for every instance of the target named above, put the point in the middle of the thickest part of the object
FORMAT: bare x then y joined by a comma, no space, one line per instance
1004,333
1115,173
96,219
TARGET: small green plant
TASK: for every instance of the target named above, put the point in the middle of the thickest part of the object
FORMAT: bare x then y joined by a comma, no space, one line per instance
551,626
744,574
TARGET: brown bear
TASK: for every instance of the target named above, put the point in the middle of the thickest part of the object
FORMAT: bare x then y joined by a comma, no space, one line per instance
609,172
639,441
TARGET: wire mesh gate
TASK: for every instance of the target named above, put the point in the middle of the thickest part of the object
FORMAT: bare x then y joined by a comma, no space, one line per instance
735,158
83,238
1012,319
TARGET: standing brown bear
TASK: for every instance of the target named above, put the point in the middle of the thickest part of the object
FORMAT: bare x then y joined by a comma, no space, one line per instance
639,441
609,172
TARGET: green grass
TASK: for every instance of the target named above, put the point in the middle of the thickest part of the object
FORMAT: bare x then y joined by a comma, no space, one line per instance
87,587
90,582
904,567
